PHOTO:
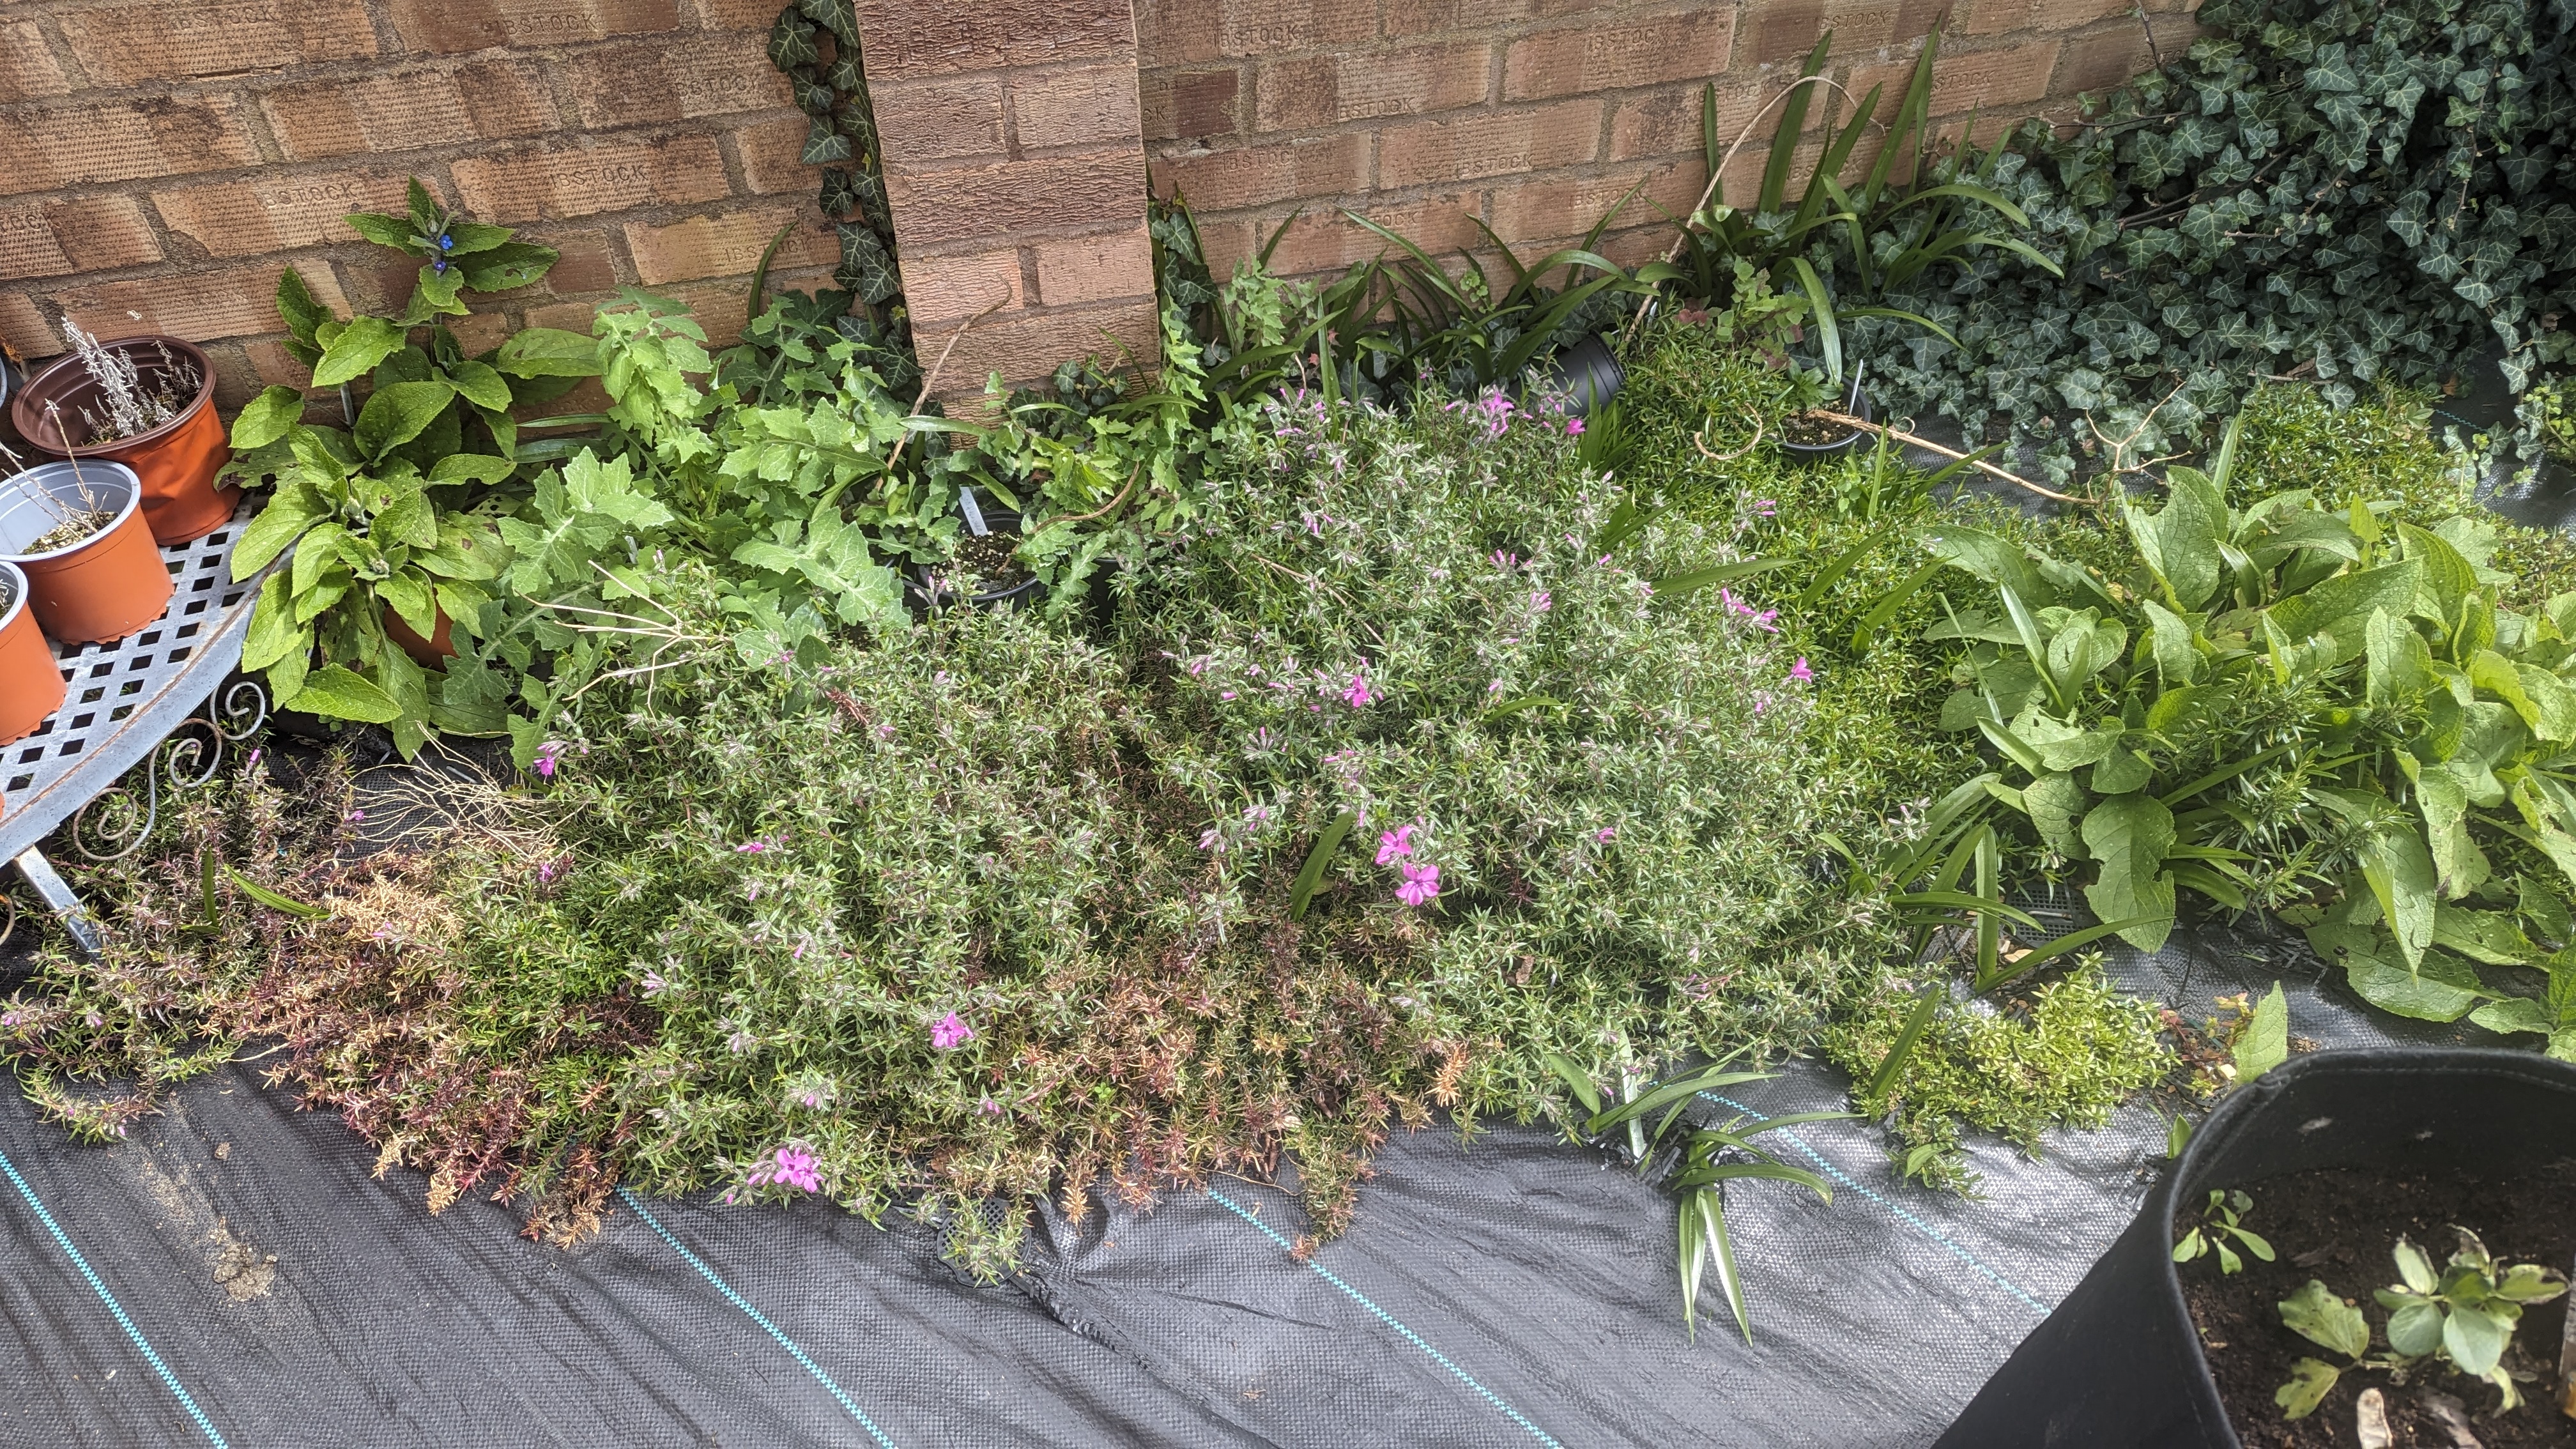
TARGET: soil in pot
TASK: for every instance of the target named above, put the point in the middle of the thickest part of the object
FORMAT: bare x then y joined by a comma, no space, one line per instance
991,558
2339,1226
1811,430
161,423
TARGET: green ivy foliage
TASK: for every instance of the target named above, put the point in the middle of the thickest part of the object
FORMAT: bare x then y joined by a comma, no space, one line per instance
2321,189
816,43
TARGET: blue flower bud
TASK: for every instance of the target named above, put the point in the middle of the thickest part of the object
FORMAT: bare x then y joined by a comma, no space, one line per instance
446,242
438,265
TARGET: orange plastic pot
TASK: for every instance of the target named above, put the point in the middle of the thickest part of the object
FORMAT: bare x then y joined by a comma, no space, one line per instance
31,684
103,587
177,461
430,653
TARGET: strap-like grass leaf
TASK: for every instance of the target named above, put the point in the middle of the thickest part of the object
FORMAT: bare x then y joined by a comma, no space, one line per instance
274,901
1311,875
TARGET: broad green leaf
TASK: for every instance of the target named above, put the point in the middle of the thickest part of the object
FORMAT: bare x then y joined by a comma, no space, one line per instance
293,508
2264,1045
266,418
2129,836
548,352
2180,543
2399,871
273,630
336,693
2475,1339
2415,1267
357,349
385,231
2348,597
409,595
2177,651
397,414
2443,988
302,315
2489,936
1311,874
2516,1014
2447,578
2415,1327
2121,771
2055,802
2401,663
506,266
2317,1315
2310,1381
409,519
471,468
478,384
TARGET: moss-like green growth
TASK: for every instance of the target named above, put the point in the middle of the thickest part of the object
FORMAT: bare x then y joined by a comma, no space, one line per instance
2065,1054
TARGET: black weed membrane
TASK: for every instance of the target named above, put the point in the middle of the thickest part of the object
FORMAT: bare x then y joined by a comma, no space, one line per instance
237,1272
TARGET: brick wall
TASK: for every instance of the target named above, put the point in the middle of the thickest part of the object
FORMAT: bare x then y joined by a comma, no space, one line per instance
162,162
1534,116
1015,164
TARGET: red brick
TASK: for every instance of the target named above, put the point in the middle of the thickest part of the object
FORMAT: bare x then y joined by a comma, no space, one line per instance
583,263
740,14
1667,122
1982,80
1578,60
563,316
2100,61
909,39
405,110
1191,105
1493,144
1999,17
71,146
270,212
1175,32
941,290
931,120
1026,346
271,365
667,80
773,155
135,43
27,68
1271,27
1095,268
727,244
935,206
1091,106
447,27
378,280
199,305
1327,90
1782,31
481,331
1862,26
1560,209
1258,175
580,180
1427,17
24,329
52,239
1323,240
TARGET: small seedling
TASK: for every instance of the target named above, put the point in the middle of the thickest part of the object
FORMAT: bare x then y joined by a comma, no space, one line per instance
2463,1315
2221,1220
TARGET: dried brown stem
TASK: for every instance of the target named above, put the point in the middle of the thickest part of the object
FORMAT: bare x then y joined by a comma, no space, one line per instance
1982,466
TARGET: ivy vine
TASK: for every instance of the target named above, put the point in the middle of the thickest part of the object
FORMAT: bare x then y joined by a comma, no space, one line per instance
816,44
2335,191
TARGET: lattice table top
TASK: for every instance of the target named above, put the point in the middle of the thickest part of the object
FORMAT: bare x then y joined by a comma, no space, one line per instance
124,699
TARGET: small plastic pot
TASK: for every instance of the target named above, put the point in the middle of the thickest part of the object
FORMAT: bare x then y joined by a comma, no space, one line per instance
107,585
177,461
983,518
1858,406
1588,374
31,684
430,653
2119,1364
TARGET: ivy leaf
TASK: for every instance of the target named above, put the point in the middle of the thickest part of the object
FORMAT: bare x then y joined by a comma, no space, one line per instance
823,145
836,16
867,268
792,40
335,693
356,350
2129,835
395,415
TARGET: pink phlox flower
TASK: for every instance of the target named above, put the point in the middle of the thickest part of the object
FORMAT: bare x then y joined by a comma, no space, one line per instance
989,1107
792,1167
1574,427
1225,694
1605,834
1421,884
753,847
549,755
1800,672
1541,600
654,985
1761,700
1494,688
253,760
1198,665
1357,695
353,817
1765,507
1767,621
799,953
1395,844
1504,558
951,1032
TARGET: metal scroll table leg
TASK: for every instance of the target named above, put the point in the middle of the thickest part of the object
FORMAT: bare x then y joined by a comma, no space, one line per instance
49,887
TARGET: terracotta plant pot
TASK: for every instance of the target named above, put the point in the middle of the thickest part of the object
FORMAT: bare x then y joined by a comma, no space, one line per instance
31,686
176,461
103,587
430,653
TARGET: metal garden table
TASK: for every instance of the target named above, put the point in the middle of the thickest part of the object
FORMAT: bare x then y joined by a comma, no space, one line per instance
164,696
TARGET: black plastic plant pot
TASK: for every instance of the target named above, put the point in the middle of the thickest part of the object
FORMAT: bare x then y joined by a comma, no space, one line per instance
2119,1364
1857,405
927,592
1587,374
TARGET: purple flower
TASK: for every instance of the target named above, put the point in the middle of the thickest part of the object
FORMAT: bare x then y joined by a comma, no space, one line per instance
1357,695
1574,427
1605,834
989,1107
1395,844
654,985
353,817
792,1167
1765,507
1800,672
950,1032
1541,601
1421,884
549,755
752,847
